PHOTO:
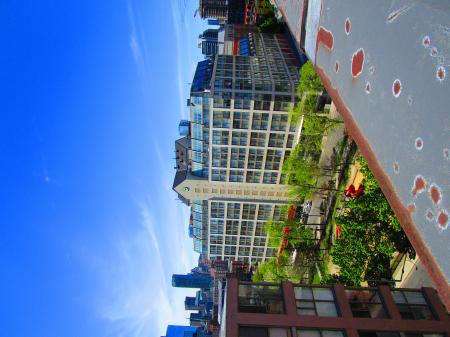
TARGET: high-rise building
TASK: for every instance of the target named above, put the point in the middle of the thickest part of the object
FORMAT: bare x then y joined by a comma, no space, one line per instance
192,280
291,310
208,41
240,136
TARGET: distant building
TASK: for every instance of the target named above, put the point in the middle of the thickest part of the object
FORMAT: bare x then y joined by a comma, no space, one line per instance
289,310
208,41
225,11
214,9
213,22
183,128
192,280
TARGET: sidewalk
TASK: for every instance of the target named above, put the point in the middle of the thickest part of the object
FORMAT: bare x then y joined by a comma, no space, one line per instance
328,143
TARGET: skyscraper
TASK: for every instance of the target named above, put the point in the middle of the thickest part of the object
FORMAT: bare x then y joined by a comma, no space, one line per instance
208,41
192,280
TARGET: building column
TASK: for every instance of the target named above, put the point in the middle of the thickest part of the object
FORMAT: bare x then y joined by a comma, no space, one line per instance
437,306
389,304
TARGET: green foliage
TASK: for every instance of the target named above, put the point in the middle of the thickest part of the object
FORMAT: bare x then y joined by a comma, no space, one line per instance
271,271
309,81
371,234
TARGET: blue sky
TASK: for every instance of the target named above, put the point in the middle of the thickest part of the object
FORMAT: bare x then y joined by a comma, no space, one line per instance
90,230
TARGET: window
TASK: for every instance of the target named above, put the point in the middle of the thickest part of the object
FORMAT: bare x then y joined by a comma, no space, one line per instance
276,140
282,103
236,176
247,227
240,120
233,210
248,211
263,332
218,175
412,305
258,251
270,177
264,212
320,333
222,100
290,140
255,159
315,301
216,250
220,137
273,159
216,240
230,250
397,334
258,139
260,121
219,157
242,100
221,119
245,241
365,303
232,227
217,210
244,251
237,157
260,229
259,242
262,102
216,226
253,177
260,299
239,138
279,122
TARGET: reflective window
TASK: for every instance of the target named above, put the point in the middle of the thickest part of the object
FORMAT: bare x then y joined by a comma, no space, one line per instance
270,177
412,305
320,333
237,157
236,176
264,332
239,138
248,211
261,299
240,120
233,210
365,303
258,139
260,121
315,301
253,177
247,227
276,140
279,122
221,119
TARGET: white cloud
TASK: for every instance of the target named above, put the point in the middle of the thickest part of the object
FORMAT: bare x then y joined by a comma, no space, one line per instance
135,296
181,81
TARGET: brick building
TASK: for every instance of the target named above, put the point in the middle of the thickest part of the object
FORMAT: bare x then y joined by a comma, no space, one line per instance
288,310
